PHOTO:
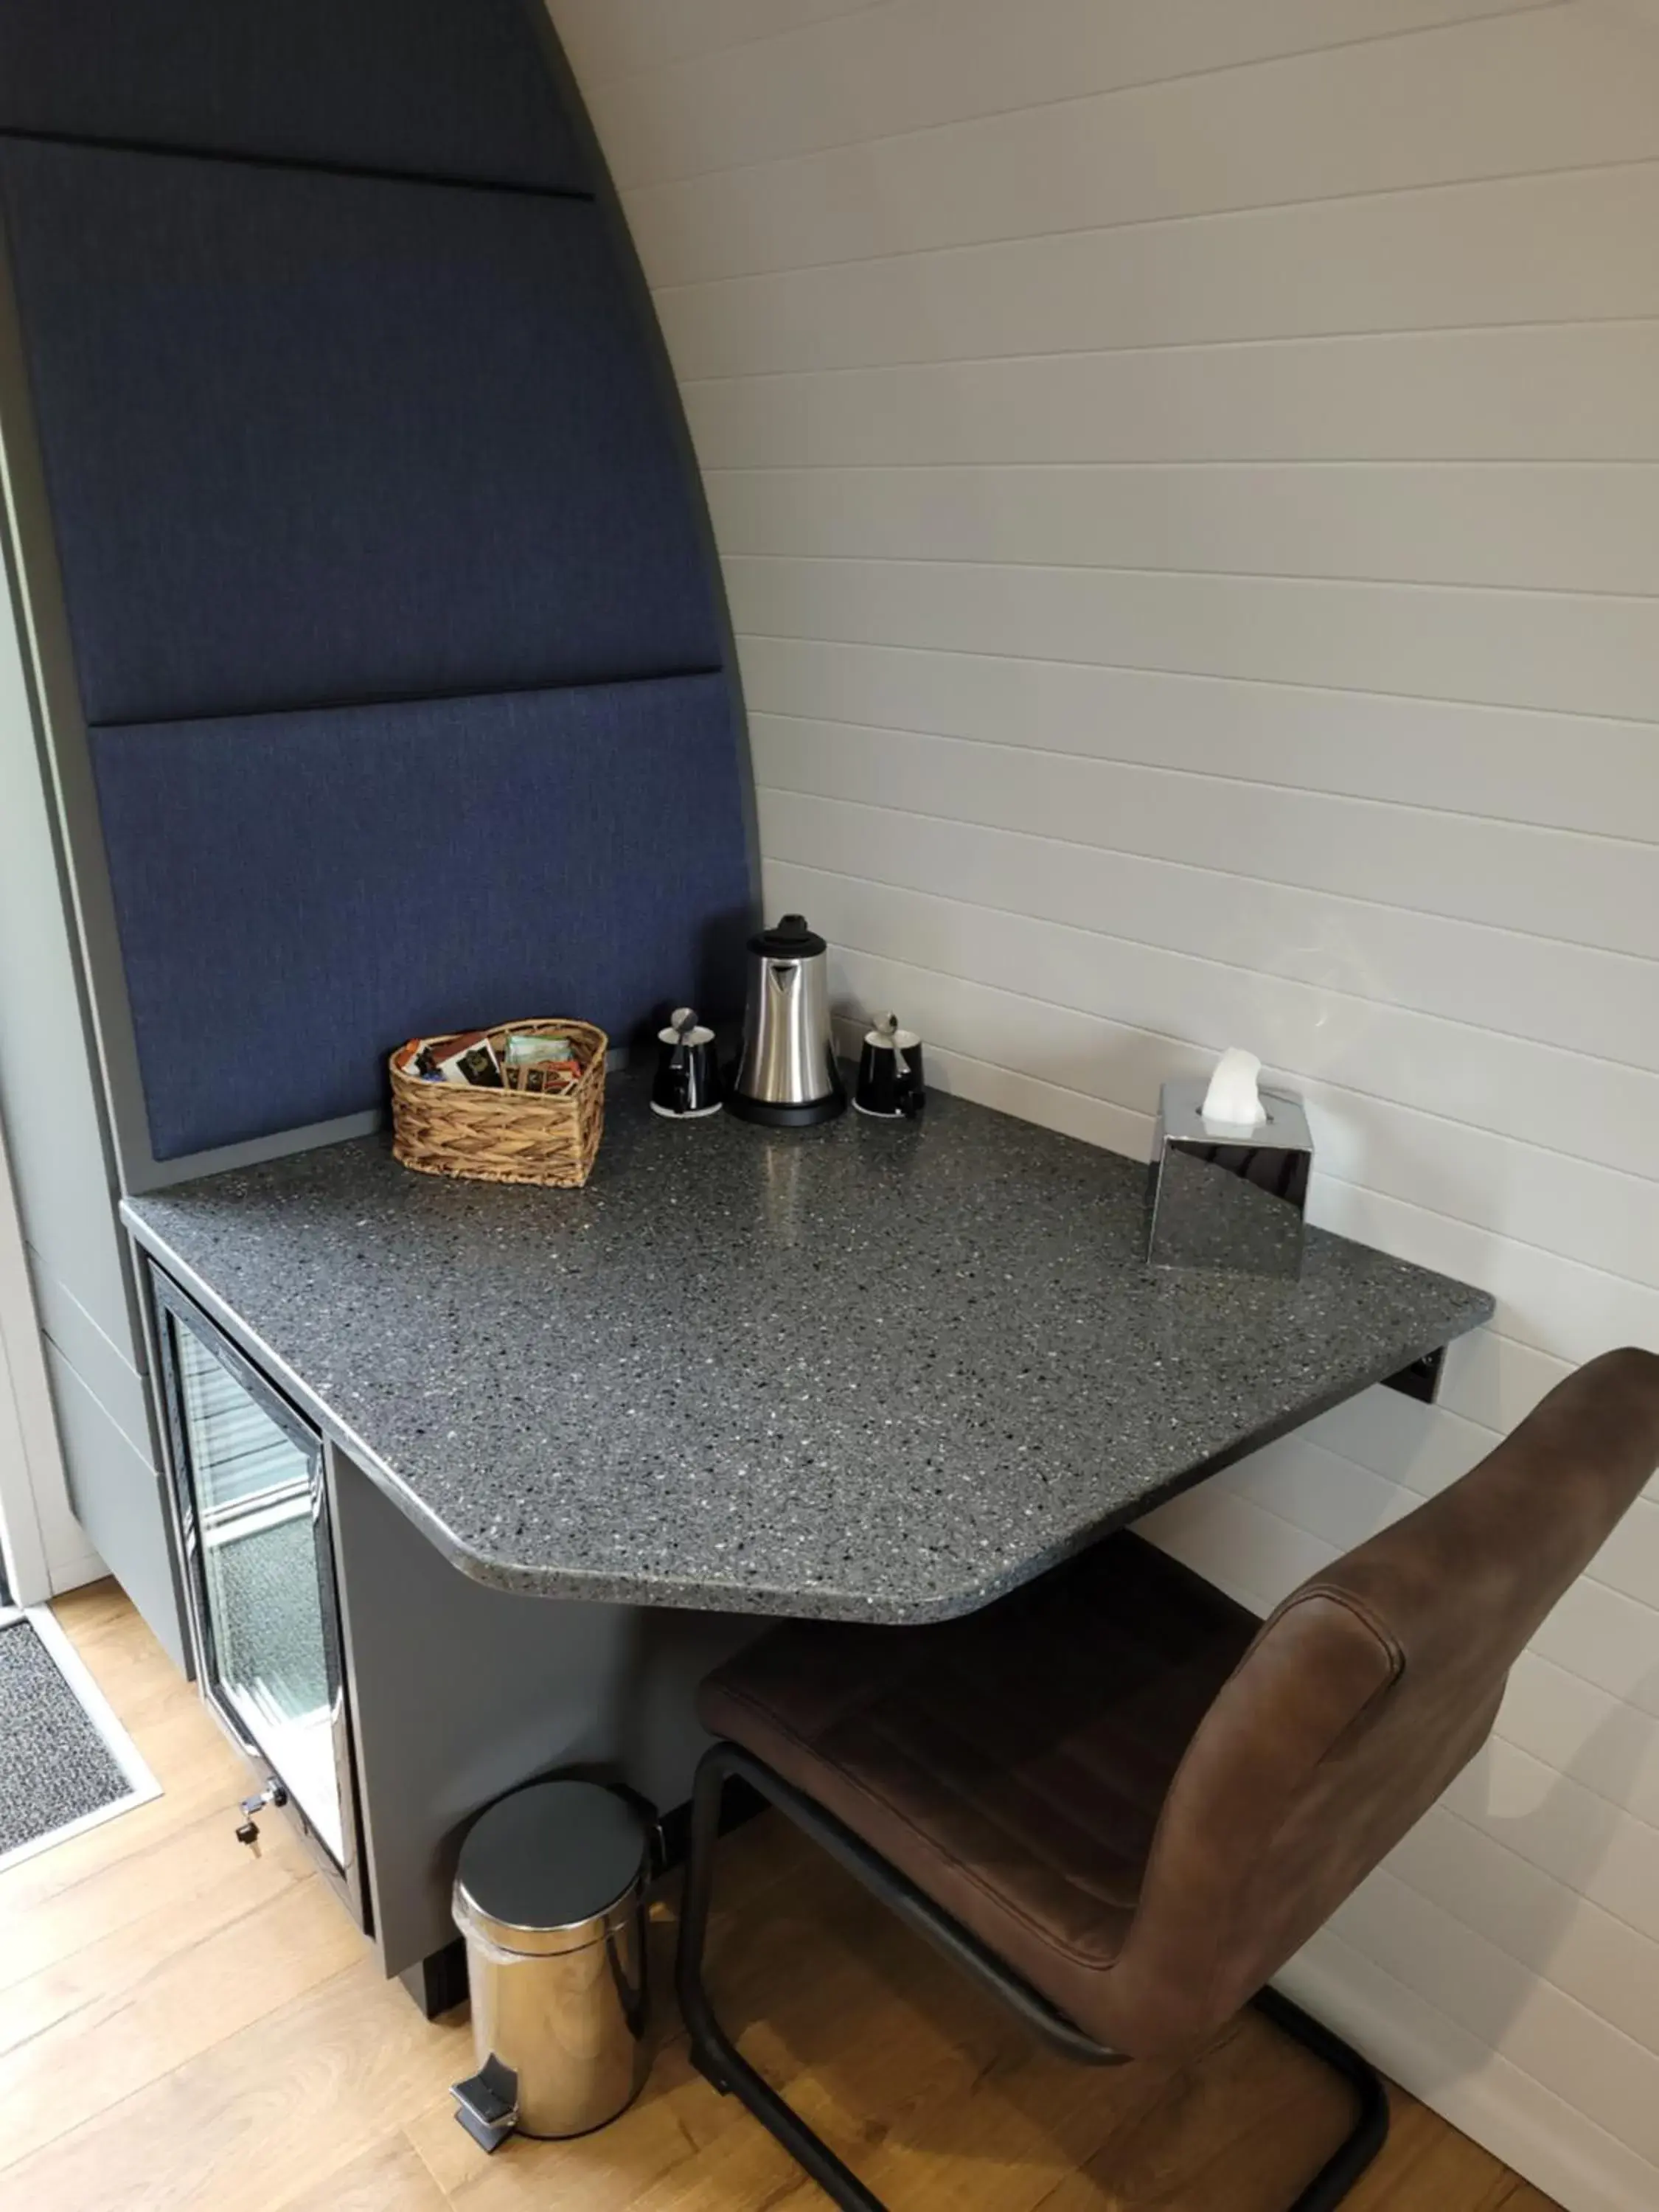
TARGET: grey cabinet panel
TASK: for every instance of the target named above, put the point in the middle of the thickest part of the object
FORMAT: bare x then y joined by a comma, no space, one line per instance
103,1365
461,1692
117,1498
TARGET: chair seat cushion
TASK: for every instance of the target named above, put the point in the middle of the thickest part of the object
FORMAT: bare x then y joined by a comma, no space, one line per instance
1011,1764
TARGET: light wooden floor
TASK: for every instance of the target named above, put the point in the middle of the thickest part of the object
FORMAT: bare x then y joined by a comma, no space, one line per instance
183,2026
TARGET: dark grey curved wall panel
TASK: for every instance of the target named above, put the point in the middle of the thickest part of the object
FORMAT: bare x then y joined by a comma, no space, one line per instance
314,438
316,435
299,892
441,88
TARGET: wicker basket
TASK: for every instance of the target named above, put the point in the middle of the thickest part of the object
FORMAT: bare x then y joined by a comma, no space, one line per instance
502,1136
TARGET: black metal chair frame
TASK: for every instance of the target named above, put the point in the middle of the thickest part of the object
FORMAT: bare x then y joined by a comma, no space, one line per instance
717,2057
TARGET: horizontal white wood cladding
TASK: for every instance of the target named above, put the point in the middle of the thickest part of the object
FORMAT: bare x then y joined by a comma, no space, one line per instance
1606,1640
1253,1556
1594,891
1572,392
1491,1379
1313,1483
1605,2073
1096,1055
1533,250
1560,770
605,38
1629,1561
1572,526
1188,479
1382,1101
916,64
1579,2164
1346,949
1545,1301
1574,655
1596,1848
1387,115
1610,1639
1567,1723
1330,1497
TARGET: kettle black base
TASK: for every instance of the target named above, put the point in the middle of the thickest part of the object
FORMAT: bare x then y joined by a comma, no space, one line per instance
801,1116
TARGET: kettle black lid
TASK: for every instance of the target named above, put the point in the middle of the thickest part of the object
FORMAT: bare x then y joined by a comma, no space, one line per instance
790,940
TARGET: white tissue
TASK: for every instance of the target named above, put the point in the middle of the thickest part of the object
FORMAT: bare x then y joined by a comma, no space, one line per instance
1232,1101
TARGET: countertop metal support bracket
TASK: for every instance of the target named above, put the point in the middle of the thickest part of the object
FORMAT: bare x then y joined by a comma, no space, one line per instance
1421,1379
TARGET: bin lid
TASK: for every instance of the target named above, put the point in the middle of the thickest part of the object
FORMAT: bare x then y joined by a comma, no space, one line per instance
539,1867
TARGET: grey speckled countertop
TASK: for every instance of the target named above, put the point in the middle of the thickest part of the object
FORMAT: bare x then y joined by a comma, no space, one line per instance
873,1370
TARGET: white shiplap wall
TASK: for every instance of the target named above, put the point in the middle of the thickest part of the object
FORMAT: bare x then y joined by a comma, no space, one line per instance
1187,472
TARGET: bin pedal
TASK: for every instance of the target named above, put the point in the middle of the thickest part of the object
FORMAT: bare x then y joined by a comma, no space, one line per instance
487,2104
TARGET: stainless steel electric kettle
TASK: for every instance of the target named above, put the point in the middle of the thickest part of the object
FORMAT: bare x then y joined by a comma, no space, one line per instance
787,1072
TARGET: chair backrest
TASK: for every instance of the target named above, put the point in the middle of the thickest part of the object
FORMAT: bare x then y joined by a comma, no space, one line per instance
1364,1693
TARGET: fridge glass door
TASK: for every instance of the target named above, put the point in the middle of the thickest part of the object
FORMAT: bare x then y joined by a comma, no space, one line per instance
252,1507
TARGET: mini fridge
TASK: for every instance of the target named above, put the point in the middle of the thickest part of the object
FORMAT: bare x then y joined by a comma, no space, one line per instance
253,1524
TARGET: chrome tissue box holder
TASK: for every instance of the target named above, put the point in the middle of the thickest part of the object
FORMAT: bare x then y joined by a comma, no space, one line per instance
1225,1198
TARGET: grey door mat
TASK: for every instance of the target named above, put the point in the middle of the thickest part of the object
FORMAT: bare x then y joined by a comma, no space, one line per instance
56,1767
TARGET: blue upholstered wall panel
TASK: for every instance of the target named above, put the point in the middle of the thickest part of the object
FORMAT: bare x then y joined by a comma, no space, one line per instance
447,88
312,438
299,893
384,567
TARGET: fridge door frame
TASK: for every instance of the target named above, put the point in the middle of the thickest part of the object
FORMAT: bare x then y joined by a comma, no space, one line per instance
172,1307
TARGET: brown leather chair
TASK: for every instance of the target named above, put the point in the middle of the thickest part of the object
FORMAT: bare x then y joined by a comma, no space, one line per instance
1125,1801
